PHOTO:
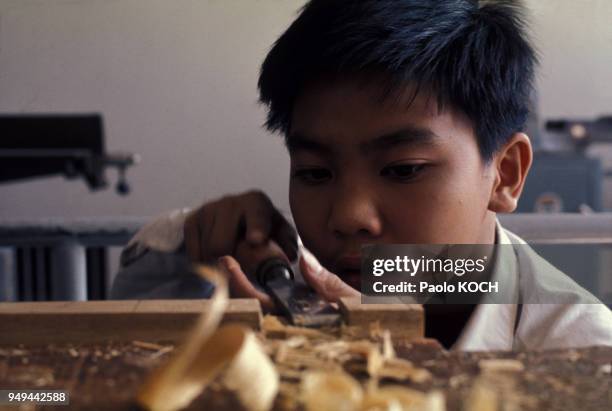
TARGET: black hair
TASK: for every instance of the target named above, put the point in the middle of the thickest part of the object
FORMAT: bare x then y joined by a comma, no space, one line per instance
474,56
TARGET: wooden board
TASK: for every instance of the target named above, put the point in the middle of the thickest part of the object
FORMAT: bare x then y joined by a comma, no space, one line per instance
405,321
34,323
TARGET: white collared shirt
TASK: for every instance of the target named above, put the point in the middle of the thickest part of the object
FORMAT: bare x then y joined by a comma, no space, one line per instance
549,310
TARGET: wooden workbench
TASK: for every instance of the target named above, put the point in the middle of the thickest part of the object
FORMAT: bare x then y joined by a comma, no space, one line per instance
105,375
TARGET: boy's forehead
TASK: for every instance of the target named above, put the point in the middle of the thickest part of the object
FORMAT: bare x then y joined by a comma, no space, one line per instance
371,90
363,109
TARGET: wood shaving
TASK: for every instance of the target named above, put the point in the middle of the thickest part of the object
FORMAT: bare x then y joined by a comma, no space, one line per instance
482,397
388,350
401,370
403,399
323,391
501,365
231,352
12,352
316,351
458,380
559,385
147,345
33,376
163,351
605,369
496,387
274,328
573,355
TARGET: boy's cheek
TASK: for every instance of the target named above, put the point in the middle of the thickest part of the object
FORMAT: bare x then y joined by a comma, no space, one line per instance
436,219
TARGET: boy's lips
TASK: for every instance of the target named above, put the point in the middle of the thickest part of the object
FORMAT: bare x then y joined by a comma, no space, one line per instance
348,268
350,262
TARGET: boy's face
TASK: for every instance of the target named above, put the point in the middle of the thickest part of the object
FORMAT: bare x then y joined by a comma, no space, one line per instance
367,172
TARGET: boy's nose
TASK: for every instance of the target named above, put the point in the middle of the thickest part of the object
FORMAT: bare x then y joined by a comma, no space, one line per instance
354,212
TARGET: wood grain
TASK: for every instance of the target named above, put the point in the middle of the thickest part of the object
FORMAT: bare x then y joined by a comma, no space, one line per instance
405,321
35,323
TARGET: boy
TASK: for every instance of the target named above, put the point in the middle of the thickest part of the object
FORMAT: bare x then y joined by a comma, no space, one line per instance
403,123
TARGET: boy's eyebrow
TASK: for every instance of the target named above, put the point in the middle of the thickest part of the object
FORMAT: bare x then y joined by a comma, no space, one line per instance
297,141
407,135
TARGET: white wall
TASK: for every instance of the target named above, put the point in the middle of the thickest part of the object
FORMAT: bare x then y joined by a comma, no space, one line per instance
575,41
176,82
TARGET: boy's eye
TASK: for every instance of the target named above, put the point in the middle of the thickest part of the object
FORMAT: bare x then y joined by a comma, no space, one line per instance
312,175
402,172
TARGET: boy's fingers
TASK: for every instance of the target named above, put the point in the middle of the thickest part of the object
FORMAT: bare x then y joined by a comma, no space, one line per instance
286,237
217,227
201,220
258,224
191,232
251,257
224,231
240,285
326,284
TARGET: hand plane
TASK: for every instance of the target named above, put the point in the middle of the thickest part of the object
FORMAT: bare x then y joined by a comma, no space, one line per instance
299,303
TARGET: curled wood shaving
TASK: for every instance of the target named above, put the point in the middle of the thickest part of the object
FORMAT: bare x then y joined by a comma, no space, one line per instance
375,362
163,351
295,342
403,399
482,397
232,350
147,345
273,327
400,369
322,391
388,350
501,365
495,388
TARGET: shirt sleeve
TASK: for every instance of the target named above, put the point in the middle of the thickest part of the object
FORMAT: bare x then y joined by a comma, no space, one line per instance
154,264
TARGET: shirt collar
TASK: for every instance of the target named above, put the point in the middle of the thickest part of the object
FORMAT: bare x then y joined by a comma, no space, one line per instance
491,326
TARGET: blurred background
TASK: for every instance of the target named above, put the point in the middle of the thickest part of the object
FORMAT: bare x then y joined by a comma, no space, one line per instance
173,84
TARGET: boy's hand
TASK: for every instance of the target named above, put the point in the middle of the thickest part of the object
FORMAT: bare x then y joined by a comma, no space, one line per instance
328,285
239,284
215,229
241,267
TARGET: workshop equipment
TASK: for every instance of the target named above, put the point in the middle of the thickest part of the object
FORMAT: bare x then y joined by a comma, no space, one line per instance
563,178
35,146
47,261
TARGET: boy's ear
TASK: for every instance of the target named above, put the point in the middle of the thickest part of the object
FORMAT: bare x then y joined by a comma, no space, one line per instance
510,167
